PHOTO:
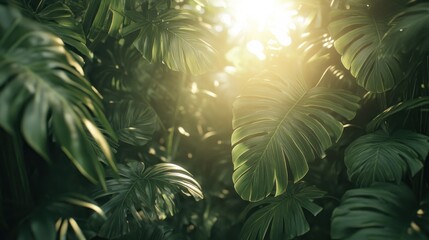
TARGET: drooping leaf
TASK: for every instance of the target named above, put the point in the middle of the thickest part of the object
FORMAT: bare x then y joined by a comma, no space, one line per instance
59,17
175,38
133,122
409,29
42,90
385,157
383,211
278,127
397,108
144,194
282,216
358,33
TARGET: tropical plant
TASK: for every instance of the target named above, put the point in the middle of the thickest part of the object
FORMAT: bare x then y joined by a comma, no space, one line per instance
108,106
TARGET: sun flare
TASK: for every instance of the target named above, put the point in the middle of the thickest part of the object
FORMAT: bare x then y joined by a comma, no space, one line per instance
259,21
252,16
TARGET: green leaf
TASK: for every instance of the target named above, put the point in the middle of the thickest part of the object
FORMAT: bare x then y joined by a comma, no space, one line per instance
385,157
409,29
133,122
283,216
383,211
42,90
397,108
279,124
358,33
121,68
145,194
60,18
54,217
104,17
175,38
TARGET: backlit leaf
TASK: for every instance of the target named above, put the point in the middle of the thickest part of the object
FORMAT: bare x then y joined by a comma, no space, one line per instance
279,126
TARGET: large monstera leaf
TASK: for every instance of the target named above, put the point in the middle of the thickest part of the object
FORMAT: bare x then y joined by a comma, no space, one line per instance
382,211
385,157
43,92
278,127
144,194
175,38
358,33
282,215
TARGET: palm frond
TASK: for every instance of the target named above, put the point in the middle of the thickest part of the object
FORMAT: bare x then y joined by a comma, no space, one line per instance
144,194
282,216
382,211
42,90
358,33
278,127
175,38
385,157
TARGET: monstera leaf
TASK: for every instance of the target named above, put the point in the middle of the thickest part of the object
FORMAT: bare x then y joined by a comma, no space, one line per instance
134,123
144,194
384,157
383,211
358,33
175,38
409,29
278,127
42,91
282,215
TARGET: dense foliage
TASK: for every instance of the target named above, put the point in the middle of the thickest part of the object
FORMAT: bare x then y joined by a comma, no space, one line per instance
147,119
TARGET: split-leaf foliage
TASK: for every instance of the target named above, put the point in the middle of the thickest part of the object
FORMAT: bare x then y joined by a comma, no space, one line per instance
122,119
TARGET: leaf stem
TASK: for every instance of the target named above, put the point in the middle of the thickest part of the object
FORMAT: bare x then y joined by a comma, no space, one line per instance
171,144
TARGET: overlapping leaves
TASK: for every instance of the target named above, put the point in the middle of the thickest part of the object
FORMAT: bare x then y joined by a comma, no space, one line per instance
60,18
385,157
383,211
283,216
42,90
144,194
57,218
104,17
175,38
279,126
358,34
